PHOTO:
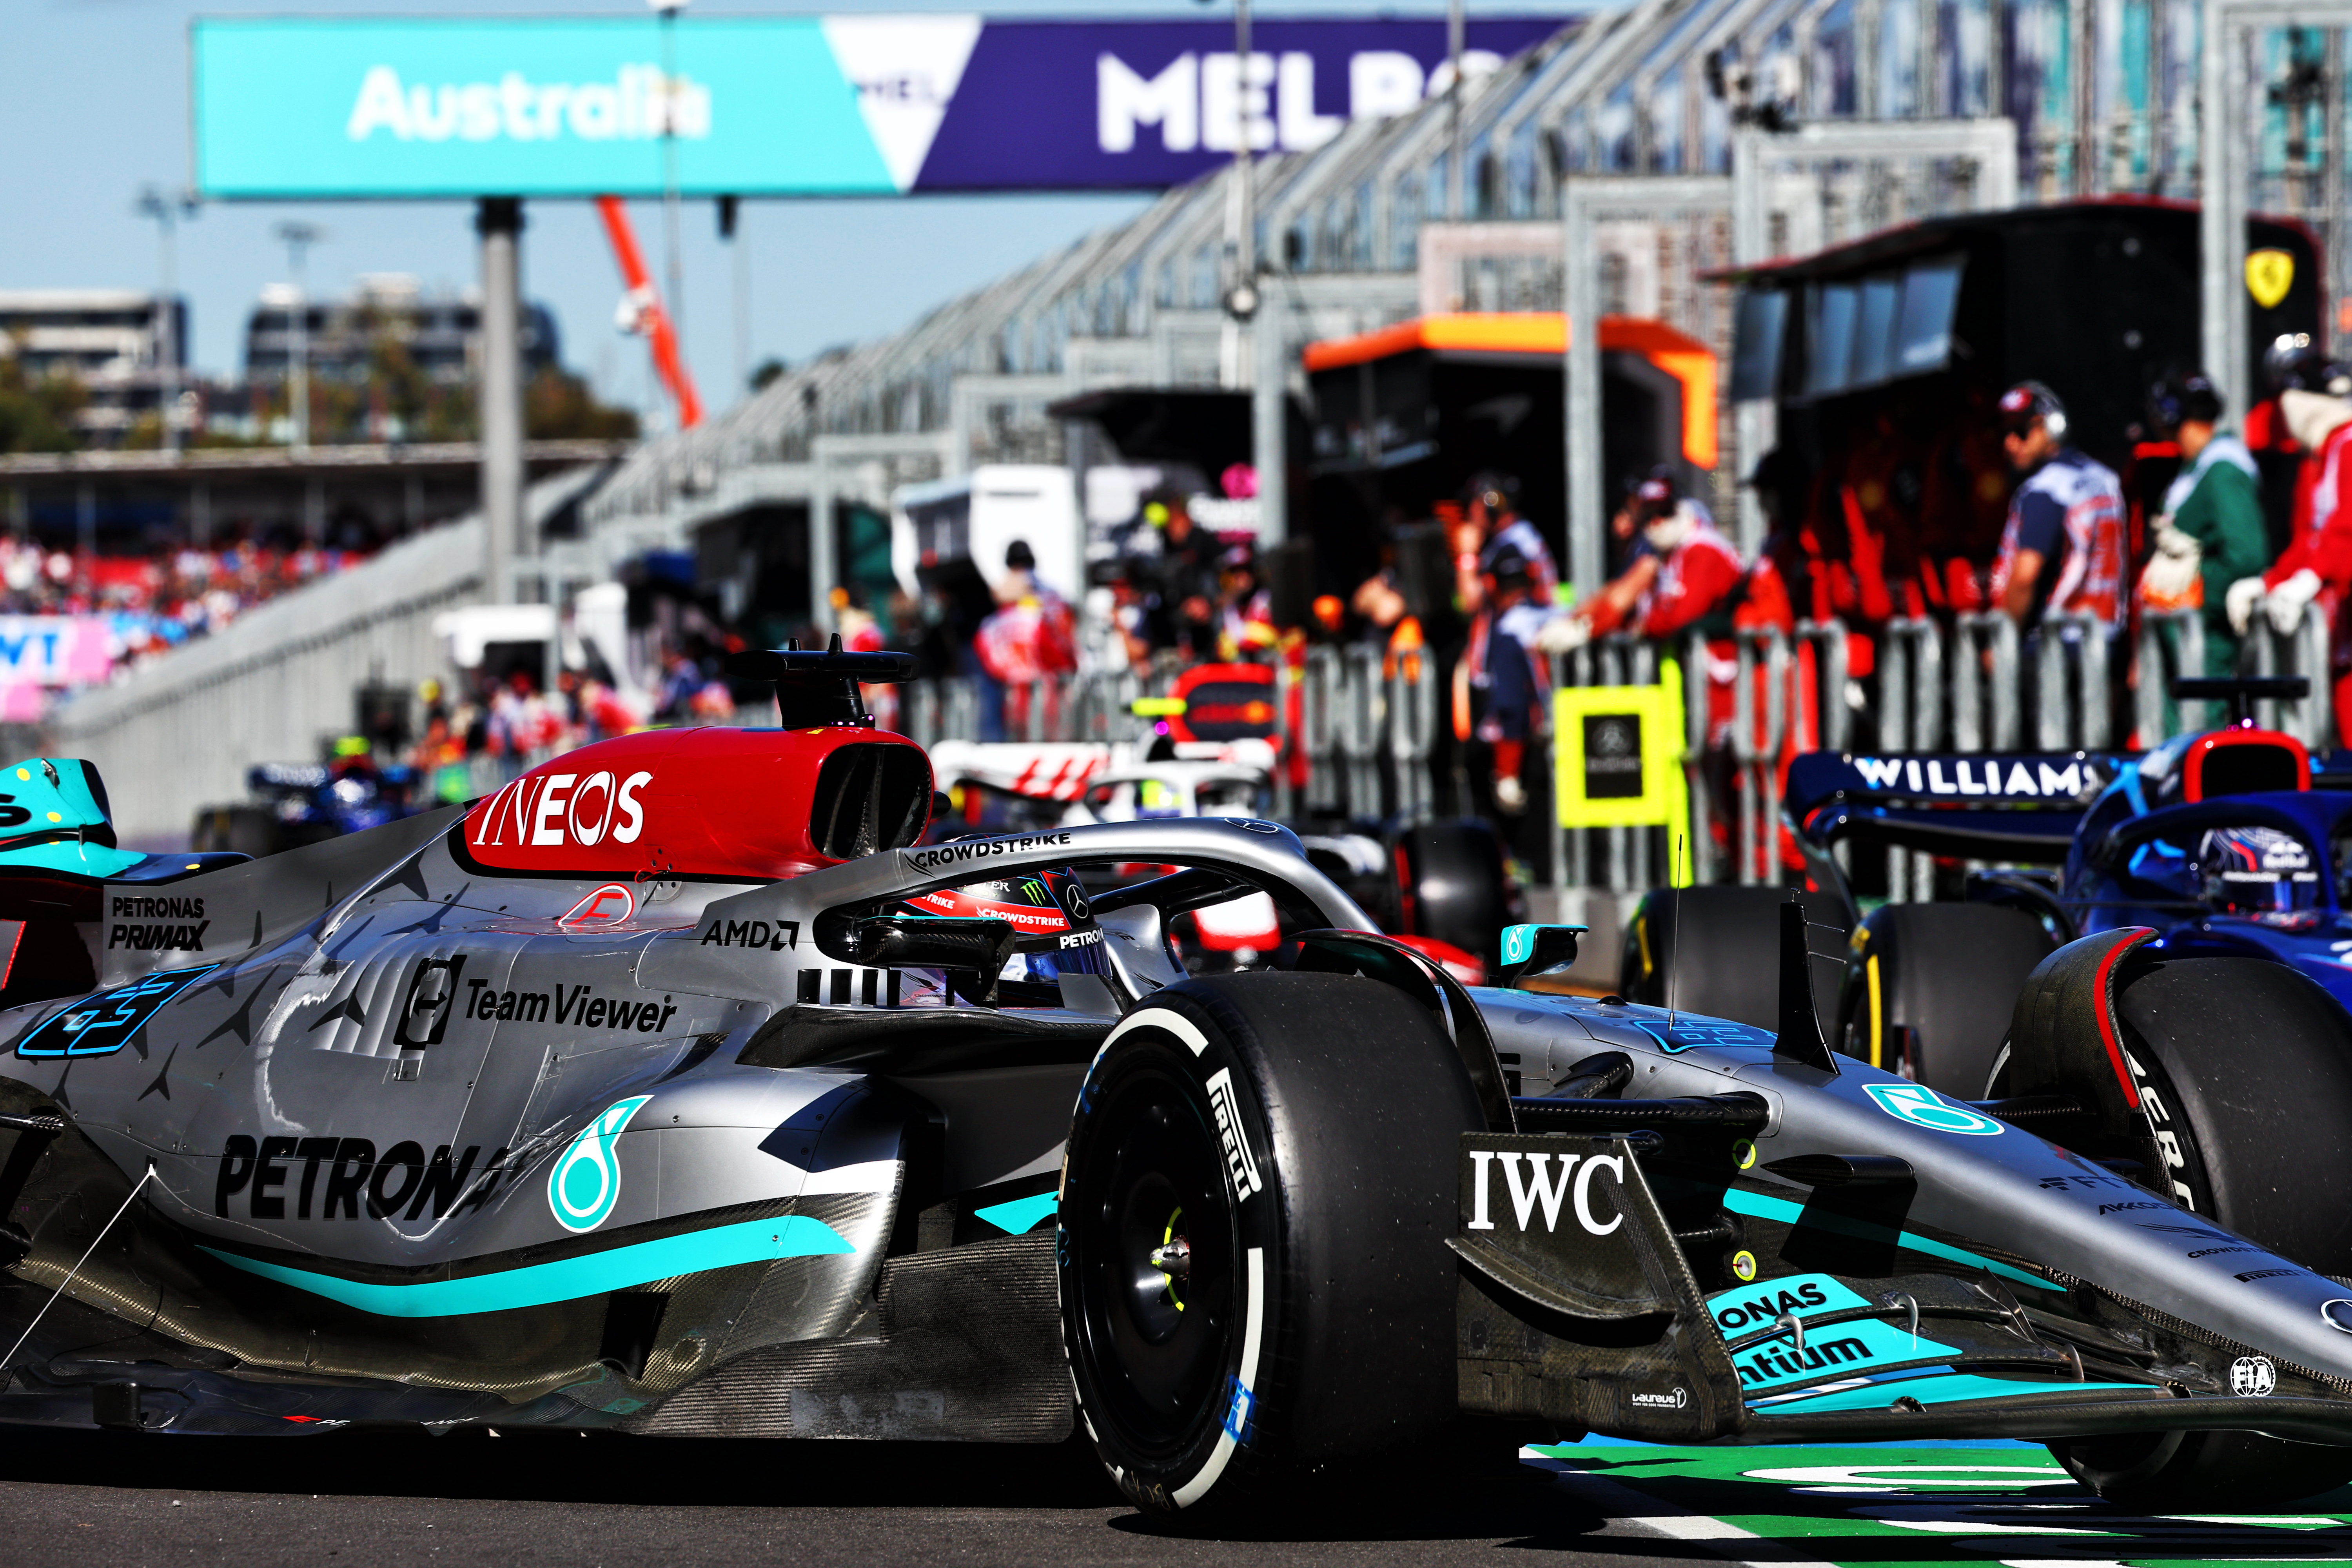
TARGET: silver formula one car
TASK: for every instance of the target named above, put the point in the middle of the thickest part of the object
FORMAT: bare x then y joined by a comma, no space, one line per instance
642,1097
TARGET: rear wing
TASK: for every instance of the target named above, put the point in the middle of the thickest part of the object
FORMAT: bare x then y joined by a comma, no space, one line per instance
2021,805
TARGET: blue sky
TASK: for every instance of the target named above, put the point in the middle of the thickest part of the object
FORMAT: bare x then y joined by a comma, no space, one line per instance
94,105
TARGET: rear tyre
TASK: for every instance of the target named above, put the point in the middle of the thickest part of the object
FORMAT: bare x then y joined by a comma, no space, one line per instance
2247,1064
1930,987
1452,885
1720,947
1255,1288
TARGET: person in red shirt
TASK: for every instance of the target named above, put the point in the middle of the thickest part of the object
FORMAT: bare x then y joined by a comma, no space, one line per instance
2315,568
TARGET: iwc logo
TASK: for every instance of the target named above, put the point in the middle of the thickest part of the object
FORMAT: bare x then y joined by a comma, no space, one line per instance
586,1182
2252,1376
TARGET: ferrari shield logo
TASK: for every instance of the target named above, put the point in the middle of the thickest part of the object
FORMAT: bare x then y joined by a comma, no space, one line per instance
2269,275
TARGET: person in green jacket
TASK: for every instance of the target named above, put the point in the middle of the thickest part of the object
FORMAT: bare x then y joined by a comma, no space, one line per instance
2210,531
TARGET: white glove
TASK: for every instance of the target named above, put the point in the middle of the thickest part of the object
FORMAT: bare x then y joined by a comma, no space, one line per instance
2244,594
2169,579
1510,794
2286,601
1564,634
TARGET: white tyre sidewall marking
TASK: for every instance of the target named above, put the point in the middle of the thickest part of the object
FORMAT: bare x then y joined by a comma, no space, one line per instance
1254,1314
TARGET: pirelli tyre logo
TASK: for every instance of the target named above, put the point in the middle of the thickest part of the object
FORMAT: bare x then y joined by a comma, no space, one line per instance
2160,1129
1238,1163
1543,1190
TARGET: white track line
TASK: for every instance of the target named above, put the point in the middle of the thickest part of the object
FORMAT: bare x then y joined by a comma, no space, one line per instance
1623,1505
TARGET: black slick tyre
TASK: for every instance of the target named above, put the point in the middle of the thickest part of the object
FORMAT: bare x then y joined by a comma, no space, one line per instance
1929,989
1452,884
2244,1066
1255,1288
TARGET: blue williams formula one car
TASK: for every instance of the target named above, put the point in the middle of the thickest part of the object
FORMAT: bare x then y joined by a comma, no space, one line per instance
2222,860
642,1096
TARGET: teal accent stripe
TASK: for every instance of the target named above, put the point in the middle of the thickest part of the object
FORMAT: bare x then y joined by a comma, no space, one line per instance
1787,1213
568,1278
1017,1217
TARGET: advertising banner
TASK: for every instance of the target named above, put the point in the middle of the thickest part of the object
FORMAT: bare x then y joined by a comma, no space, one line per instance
453,107
1618,754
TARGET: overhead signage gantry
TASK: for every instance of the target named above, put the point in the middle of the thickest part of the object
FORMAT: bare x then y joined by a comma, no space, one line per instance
503,109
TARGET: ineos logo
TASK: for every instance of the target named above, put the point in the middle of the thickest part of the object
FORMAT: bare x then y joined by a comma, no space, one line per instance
560,809
1539,1189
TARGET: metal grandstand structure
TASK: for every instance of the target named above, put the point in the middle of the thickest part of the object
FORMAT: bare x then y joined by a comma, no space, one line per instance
1363,232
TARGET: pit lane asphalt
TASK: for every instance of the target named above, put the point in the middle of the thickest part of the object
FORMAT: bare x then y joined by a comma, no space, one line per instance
349,1501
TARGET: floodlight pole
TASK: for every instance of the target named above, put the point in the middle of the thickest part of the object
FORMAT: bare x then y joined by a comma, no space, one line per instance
670,198
498,220
298,238
1261,332
1456,27
167,211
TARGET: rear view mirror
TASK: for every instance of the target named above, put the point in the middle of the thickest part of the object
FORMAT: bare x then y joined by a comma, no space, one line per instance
1536,950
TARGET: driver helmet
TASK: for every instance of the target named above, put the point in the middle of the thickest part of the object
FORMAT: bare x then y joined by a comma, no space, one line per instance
2257,871
1054,926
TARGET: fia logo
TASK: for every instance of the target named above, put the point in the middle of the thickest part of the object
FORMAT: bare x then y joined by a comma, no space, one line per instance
424,1017
2252,1377
586,1180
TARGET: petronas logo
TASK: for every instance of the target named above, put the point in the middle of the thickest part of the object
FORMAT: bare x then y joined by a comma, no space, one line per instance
587,1179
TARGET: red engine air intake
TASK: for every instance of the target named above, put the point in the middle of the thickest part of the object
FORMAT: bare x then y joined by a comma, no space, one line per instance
732,805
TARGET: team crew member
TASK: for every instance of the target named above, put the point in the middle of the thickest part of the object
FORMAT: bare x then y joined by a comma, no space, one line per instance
1499,665
2317,565
2063,548
1491,525
2209,535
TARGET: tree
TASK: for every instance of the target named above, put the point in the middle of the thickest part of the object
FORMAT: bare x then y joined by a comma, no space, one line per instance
558,405
37,413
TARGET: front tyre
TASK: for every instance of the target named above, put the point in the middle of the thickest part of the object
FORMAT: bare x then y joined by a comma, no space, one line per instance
1254,1282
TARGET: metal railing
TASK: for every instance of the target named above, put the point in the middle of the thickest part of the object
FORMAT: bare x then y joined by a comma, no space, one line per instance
1371,741
1910,719
1985,707
2171,643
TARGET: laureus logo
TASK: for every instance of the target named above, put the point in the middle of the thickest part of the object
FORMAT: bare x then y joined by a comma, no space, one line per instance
587,1179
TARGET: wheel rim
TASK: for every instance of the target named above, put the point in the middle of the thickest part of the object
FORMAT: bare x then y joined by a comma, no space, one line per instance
1151,1246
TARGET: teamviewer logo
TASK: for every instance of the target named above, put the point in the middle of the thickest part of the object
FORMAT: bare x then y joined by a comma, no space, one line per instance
424,1017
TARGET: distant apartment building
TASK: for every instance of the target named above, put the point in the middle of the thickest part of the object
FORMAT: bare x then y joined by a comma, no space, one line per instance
119,343
441,331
